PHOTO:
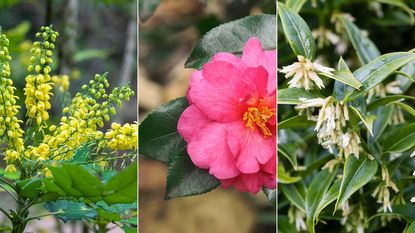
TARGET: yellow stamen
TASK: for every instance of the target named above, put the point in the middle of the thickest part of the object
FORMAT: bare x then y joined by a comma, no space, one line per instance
259,115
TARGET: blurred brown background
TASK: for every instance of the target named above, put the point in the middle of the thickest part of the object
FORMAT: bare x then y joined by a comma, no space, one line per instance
165,41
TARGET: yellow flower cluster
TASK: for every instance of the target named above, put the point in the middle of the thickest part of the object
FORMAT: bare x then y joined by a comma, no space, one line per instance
38,83
61,82
122,137
83,117
9,123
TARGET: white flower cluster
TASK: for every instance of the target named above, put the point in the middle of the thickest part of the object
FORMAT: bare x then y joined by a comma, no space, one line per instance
330,121
304,73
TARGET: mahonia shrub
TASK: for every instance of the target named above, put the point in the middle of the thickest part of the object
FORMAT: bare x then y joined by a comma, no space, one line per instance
345,131
69,165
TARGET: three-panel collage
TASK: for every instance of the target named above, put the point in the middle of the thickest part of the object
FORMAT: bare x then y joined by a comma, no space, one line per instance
207,116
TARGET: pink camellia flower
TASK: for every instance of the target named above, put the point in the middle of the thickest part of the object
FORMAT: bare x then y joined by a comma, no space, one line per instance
230,124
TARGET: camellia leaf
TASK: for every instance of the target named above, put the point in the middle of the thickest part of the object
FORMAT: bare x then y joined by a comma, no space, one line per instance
400,139
293,95
297,32
377,70
367,120
185,179
271,196
146,8
159,138
231,37
356,173
295,5
366,50
315,194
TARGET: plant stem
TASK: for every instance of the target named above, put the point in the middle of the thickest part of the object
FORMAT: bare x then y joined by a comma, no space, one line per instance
8,191
5,213
8,183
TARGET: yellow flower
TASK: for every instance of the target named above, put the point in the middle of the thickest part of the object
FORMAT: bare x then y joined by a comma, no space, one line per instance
61,82
122,137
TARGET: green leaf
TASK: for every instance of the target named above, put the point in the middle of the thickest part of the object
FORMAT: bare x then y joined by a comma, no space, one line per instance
185,179
367,120
400,139
63,180
70,210
328,197
405,107
122,188
108,216
30,188
411,228
284,225
231,37
315,194
293,95
288,152
383,116
386,100
81,154
146,8
401,4
404,82
285,178
296,121
295,5
295,193
377,70
83,181
356,173
159,138
343,75
271,196
297,32
366,50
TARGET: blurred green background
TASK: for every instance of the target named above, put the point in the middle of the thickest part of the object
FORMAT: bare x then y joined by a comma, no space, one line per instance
96,36
166,40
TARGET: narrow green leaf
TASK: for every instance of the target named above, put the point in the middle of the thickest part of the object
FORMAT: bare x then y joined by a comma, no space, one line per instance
401,4
293,95
343,77
315,193
377,70
356,173
231,37
329,197
366,50
411,228
285,178
367,120
405,107
159,138
185,179
295,193
297,32
284,225
296,122
404,82
386,100
400,139
295,5
289,153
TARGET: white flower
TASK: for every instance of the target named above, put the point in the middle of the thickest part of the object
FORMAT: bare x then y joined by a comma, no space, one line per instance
304,73
393,88
325,37
349,144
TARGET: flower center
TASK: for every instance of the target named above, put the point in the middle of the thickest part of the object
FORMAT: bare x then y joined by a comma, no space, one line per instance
260,116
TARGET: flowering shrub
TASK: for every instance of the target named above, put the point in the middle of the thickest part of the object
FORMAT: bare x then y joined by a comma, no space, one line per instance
224,131
65,165
344,138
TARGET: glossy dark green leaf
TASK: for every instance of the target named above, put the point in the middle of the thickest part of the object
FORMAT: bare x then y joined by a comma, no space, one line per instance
231,37
366,119
70,210
315,194
159,138
328,197
297,32
284,225
147,8
356,173
345,77
289,152
399,139
293,95
295,193
366,50
377,70
185,179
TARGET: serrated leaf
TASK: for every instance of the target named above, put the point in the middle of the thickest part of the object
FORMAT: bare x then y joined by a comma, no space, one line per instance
356,173
367,120
70,210
297,32
185,179
377,70
122,188
293,95
159,138
315,193
400,139
231,37
366,50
